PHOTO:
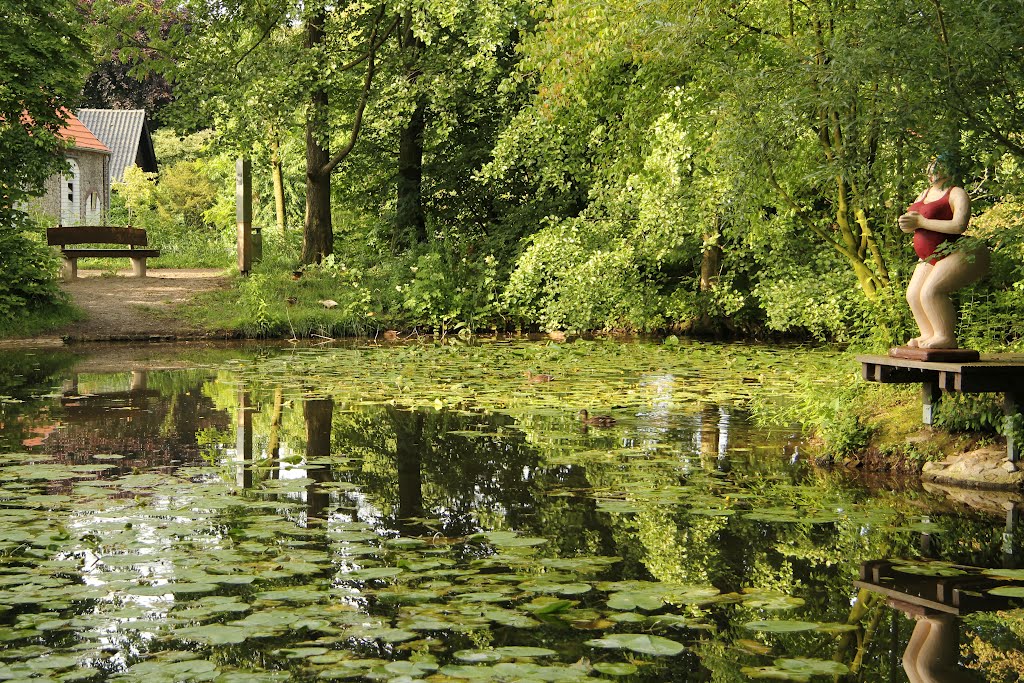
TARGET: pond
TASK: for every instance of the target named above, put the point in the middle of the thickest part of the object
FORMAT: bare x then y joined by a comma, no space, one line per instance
442,512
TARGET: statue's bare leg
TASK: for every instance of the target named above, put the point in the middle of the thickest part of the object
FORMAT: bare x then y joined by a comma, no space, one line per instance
957,270
917,281
913,651
936,657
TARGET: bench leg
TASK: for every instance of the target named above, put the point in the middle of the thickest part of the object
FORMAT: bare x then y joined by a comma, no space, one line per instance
930,395
70,268
139,267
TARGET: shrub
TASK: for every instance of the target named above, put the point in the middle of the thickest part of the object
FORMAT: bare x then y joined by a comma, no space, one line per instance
29,272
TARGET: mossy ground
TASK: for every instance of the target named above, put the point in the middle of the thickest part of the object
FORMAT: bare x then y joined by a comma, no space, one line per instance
899,441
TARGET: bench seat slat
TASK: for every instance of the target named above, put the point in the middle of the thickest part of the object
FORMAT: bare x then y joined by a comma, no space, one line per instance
96,234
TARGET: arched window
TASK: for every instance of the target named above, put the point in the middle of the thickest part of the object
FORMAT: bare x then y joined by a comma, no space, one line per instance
70,188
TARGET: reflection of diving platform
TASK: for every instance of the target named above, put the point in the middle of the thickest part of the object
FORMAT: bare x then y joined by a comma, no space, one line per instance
992,374
927,594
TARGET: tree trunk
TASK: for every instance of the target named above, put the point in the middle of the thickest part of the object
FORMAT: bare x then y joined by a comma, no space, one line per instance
319,415
710,262
318,234
278,176
410,224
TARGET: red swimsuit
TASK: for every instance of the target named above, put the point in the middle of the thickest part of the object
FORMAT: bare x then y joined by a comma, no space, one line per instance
926,241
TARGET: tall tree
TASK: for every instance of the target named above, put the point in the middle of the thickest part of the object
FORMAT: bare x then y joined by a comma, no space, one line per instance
42,56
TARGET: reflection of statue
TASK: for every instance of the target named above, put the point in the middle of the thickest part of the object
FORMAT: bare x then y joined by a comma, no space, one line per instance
938,218
932,653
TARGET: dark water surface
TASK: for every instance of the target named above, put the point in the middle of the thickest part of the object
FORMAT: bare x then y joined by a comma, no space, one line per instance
441,513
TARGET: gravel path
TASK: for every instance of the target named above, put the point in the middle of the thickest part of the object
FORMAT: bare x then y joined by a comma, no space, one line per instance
126,308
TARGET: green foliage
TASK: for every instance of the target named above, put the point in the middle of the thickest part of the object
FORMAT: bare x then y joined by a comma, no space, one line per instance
41,61
980,413
451,294
188,208
831,403
29,273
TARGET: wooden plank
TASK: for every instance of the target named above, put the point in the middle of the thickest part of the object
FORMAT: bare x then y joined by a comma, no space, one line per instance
887,374
110,253
911,364
96,234
976,379
907,598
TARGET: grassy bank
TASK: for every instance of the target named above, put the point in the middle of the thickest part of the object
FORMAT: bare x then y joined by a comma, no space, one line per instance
32,323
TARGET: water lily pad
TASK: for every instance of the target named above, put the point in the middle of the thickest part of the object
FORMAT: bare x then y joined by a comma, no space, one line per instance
214,634
630,600
371,573
799,669
616,668
177,589
638,642
478,656
929,569
1011,574
508,539
524,651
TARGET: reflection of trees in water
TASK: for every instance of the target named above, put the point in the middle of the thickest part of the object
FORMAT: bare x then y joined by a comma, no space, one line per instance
424,475
413,466
22,377
152,421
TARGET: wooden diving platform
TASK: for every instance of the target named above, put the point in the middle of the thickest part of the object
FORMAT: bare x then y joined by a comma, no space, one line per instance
909,591
998,373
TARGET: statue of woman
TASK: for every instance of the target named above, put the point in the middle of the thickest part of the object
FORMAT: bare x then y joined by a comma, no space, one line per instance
938,219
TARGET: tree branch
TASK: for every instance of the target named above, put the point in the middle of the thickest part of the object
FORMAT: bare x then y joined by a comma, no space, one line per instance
804,218
266,33
751,27
357,122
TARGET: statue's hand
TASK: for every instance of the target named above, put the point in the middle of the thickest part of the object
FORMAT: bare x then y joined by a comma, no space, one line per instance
909,221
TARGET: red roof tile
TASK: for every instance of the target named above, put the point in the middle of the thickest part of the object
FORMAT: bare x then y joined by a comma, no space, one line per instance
82,137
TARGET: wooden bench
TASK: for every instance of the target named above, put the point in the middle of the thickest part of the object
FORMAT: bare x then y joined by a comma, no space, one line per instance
100,234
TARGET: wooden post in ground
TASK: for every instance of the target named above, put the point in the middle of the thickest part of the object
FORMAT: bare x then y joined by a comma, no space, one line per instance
243,213
1011,404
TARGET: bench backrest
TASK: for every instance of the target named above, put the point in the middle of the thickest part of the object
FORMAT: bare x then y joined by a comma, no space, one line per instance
96,234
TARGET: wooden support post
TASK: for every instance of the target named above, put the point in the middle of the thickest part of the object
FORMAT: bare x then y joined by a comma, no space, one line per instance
1009,535
1011,406
243,440
930,396
243,213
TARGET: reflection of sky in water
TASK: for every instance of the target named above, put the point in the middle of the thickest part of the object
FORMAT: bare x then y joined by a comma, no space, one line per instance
655,424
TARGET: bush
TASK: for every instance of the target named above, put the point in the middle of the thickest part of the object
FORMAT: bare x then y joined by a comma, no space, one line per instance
29,272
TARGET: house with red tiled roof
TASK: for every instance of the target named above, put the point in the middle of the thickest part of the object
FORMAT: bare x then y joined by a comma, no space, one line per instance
80,195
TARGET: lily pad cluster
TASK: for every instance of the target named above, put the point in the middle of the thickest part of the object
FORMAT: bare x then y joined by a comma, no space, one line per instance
226,572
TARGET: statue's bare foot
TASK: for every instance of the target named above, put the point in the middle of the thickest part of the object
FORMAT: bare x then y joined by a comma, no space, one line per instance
917,342
937,342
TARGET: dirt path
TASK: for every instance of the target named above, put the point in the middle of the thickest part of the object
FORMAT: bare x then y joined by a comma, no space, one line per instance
128,308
